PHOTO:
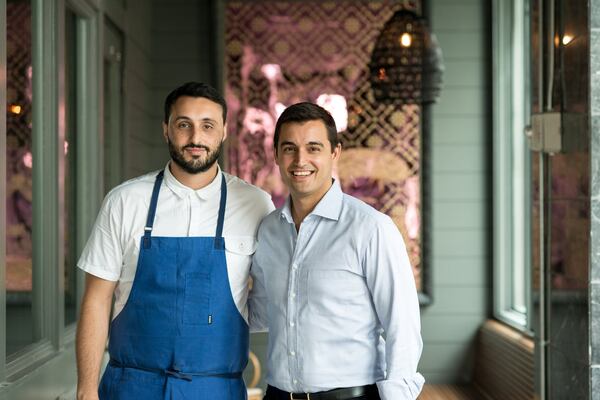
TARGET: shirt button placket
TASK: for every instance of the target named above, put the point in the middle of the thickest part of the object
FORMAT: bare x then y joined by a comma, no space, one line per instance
293,299
190,204
292,316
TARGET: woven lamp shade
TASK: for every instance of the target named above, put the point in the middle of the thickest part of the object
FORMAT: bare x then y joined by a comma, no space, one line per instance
406,63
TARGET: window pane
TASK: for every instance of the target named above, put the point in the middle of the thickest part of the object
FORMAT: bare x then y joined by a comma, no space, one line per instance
70,180
519,165
570,170
536,100
19,282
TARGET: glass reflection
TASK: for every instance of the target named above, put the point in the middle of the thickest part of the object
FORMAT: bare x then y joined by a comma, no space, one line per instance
561,199
70,147
19,224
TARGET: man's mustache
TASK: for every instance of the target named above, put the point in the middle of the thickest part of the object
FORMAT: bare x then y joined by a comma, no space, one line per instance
196,146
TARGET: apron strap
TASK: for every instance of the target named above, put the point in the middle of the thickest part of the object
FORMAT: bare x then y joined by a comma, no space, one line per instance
152,210
171,372
219,241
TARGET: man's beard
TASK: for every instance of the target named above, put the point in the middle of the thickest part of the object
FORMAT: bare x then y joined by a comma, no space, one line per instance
196,165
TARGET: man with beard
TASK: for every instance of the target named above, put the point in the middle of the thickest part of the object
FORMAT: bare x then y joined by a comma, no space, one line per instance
174,248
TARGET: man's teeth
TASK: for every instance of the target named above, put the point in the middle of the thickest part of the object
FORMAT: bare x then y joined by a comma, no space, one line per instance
301,173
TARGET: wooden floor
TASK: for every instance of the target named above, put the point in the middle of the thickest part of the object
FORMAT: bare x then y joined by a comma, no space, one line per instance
449,392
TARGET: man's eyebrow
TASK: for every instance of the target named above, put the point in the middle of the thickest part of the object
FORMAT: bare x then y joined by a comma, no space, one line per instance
183,117
287,143
316,144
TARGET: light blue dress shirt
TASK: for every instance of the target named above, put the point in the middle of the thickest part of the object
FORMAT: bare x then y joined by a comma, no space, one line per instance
338,298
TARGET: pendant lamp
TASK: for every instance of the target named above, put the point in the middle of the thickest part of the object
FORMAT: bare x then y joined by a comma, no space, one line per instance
406,63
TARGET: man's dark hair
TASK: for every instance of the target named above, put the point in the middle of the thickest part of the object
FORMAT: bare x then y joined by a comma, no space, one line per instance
303,112
195,89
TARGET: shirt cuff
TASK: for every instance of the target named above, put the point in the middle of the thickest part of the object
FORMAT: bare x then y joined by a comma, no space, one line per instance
402,388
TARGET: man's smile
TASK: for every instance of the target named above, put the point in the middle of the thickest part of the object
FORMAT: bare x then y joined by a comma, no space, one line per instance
301,173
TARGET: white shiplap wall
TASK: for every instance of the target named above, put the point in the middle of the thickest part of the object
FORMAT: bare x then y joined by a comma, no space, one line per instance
181,51
136,22
460,174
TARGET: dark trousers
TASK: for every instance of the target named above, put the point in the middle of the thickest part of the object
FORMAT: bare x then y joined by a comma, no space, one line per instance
277,394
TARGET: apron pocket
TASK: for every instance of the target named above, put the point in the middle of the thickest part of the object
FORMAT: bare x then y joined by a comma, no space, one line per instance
196,301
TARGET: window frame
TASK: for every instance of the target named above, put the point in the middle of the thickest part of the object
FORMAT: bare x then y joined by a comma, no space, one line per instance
512,202
3,189
48,133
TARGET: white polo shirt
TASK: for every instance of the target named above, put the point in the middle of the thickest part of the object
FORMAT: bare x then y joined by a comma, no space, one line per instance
112,250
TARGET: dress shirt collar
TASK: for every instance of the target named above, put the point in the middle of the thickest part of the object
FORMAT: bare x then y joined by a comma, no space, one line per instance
183,191
330,206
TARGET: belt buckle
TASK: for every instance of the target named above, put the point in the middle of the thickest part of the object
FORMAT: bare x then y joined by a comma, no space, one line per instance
292,396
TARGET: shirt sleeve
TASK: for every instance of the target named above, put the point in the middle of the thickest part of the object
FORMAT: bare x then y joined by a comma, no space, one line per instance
391,283
102,255
257,298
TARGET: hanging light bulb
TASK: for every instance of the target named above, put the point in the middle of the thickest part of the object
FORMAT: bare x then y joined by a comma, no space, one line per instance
405,39
15,109
567,39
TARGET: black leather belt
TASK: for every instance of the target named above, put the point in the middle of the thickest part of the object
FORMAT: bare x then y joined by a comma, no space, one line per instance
335,394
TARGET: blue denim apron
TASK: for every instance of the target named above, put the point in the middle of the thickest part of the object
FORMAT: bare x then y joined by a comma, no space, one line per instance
180,334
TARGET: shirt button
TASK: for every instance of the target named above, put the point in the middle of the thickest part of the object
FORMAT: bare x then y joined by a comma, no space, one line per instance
295,381
292,324
292,353
294,267
292,295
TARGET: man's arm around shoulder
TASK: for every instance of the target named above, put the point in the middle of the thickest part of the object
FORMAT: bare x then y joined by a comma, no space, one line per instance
92,332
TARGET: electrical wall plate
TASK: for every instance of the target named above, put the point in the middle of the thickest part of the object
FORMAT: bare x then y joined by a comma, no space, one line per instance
545,132
534,133
554,132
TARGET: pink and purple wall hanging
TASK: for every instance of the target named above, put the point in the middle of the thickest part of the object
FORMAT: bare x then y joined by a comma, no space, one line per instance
282,52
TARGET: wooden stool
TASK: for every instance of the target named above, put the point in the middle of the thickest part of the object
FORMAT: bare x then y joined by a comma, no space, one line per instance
254,393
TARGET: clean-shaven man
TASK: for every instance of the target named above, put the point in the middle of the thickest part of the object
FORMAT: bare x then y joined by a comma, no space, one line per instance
174,249
332,280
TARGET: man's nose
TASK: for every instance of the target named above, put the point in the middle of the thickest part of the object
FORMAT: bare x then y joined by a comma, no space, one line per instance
300,157
196,133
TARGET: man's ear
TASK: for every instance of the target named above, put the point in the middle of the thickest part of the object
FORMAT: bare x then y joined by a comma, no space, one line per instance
224,132
335,155
275,156
165,132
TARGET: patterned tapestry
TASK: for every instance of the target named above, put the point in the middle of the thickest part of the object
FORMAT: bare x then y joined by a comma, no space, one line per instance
282,52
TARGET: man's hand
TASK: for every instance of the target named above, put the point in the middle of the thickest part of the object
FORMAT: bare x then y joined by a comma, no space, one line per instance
87,395
92,332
